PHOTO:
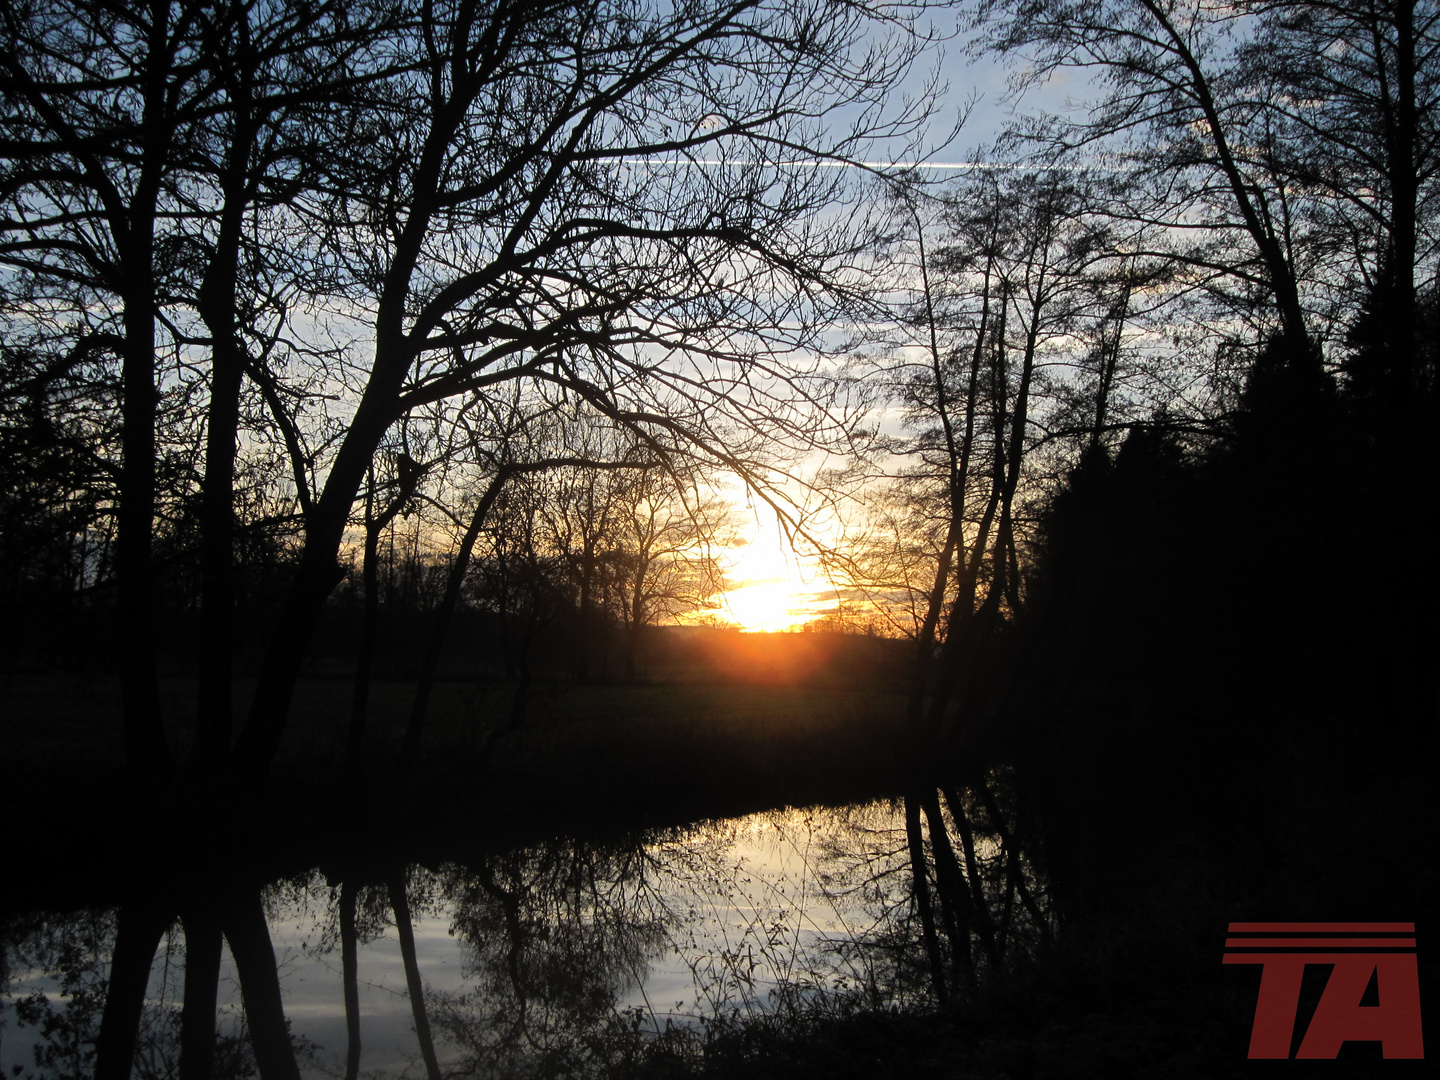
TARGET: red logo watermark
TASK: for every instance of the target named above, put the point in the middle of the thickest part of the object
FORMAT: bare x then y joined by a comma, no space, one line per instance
1359,952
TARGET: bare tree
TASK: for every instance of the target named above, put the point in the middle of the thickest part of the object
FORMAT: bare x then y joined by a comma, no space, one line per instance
607,198
145,146
1351,93
1015,307
666,535
598,252
295,228
1004,317
1176,125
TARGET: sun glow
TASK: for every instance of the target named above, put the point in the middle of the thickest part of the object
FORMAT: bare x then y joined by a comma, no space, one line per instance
771,587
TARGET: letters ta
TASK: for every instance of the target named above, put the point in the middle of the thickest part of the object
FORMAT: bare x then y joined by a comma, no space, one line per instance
1339,1018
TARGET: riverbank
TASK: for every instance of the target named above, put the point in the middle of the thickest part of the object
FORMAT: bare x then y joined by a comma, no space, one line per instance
587,761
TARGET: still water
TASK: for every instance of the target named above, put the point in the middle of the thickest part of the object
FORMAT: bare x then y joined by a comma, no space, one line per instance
554,958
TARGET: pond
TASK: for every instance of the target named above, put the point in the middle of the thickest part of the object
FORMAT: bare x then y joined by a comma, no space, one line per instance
557,958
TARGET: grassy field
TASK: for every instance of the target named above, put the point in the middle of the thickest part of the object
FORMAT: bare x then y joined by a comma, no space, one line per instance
586,759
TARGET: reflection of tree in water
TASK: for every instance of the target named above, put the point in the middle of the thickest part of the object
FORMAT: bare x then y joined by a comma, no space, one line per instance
972,903
553,935
769,926
974,891
71,952
64,960
882,914
783,920
778,908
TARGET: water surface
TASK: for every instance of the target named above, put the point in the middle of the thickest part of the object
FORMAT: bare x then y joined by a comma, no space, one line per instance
555,957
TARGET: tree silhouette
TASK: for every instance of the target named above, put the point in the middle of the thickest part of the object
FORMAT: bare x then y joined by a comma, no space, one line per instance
282,234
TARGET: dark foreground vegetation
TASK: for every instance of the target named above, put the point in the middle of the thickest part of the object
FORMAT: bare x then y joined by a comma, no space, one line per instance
1214,715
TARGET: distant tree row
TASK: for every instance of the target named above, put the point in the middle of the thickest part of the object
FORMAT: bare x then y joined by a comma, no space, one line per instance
591,554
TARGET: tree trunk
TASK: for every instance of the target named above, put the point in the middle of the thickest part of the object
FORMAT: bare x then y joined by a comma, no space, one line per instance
1110,357
325,521
1402,361
421,704
365,662
401,905
147,756
959,461
213,722
349,974
137,937
204,943
249,938
259,740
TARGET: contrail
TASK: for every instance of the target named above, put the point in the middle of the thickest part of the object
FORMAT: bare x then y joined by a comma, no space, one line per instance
812,163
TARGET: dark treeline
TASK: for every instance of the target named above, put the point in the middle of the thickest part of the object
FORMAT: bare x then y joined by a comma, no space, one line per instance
1211,708
572,583
1158,522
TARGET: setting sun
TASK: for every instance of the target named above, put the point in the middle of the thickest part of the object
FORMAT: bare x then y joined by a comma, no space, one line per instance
771,587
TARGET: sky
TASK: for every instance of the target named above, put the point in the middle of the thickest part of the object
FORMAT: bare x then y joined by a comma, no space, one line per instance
771,587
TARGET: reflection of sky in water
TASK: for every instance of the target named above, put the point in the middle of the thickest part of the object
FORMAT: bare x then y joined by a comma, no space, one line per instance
749,902
310,981
765,917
